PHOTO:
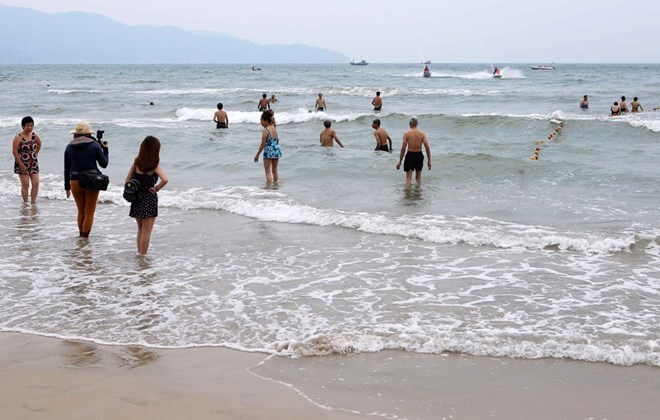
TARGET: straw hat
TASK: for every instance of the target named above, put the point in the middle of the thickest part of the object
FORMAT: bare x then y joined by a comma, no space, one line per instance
82,127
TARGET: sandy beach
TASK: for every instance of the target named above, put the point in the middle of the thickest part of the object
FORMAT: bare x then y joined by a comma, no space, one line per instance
54,378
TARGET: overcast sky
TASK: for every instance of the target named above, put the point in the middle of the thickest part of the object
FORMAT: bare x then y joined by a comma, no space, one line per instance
480,31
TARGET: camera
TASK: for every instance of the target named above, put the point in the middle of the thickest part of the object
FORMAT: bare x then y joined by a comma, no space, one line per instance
99,134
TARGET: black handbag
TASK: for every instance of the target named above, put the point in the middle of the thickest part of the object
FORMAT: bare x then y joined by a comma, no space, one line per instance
133,191
93,181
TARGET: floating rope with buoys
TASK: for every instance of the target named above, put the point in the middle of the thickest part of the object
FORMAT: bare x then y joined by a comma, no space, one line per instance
535,155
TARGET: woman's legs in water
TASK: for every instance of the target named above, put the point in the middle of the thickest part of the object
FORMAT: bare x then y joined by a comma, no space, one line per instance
25,185
270,166
35,187
86,202
145,227
276,176
268,163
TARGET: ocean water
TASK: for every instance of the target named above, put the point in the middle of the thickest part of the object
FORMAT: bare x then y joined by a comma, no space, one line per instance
493,254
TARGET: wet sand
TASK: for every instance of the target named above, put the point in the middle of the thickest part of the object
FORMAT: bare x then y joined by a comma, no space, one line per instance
50,378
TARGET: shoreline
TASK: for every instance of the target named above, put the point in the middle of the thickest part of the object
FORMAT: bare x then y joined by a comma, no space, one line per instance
53,378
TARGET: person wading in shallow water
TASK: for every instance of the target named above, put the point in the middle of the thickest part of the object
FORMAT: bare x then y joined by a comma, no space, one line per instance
270,145
25,148
81,156
147,171
411,147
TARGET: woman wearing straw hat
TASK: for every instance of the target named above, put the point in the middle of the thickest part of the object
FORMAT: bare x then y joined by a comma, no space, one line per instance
80,156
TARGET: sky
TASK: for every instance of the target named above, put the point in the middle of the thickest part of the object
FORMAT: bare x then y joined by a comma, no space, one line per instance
389,31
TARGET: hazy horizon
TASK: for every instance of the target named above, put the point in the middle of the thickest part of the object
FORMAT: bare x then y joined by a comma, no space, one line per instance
474,31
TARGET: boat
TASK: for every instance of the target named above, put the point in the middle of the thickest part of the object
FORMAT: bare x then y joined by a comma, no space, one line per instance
358,63
544,67
497,76
427,73
427,62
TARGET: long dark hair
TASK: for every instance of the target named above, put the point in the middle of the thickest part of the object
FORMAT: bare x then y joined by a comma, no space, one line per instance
148,157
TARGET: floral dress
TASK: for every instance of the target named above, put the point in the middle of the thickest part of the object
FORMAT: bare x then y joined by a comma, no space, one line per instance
27,150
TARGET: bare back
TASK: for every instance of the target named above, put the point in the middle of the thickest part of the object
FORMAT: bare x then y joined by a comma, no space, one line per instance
327,137
381,136
415,139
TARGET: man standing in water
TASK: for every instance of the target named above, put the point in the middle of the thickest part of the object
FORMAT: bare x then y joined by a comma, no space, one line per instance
220,117
411,147
320,103
328,135
263,104
584,103
377,102
382,138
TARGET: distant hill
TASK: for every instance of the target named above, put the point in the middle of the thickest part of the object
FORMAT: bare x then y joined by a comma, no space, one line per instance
31,37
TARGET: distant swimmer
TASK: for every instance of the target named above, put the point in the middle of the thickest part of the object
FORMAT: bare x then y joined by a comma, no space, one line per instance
377,102
614,109
272,99
220,117
255,68
263,104
329,136
635,105
320,103
151,103
382,138
411,147
623,106
584,103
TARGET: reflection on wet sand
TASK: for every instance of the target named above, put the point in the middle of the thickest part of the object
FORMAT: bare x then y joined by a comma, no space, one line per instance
81,355
136,356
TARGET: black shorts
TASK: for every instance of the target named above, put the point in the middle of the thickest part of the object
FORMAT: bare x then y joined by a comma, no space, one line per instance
383,147
221,125
377,108
413,161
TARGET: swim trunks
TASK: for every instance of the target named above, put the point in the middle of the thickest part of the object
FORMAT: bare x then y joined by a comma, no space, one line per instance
584,106
413,161
383,147
320,109
377,108
221,125
263,108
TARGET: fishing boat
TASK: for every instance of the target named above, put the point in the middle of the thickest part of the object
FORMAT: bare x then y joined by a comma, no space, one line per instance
358,63
544,67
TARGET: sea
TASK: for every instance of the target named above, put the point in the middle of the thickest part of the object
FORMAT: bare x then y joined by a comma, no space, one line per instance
493,254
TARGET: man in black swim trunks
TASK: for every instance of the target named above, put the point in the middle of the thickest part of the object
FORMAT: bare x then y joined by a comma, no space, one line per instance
382,138
220,117
320,103
411,147
263,104
377,102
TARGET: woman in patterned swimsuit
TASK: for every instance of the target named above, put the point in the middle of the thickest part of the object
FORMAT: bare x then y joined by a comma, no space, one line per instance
270,145
147,170
26,148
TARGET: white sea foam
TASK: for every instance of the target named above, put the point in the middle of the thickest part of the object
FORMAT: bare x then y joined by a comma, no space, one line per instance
651,125
252,117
